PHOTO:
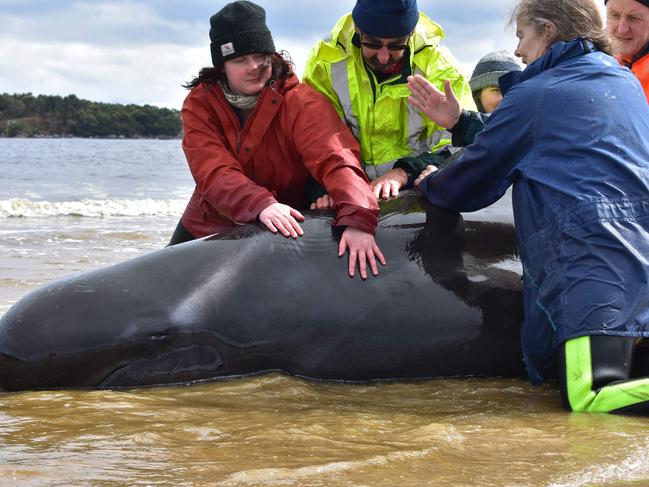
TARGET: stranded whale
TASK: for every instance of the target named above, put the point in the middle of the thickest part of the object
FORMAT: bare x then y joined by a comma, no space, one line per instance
449,303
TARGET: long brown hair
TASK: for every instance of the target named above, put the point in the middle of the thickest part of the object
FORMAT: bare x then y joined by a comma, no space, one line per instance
571,19
281,64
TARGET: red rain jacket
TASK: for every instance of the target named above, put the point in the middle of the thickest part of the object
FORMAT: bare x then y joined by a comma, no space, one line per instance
292,133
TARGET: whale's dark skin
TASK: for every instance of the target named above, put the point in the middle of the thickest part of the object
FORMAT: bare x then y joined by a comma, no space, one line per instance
250,301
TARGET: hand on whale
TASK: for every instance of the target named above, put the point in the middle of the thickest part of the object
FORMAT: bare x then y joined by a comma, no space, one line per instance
387,186
324,202
424,174
362,247
282,218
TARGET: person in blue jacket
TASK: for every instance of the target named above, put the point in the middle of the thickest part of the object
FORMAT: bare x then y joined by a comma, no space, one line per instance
572,138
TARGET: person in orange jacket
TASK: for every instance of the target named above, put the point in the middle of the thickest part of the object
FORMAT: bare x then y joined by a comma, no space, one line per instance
627,23
252,136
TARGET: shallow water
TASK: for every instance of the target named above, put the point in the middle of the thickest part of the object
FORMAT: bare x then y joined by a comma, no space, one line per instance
276,430
265,430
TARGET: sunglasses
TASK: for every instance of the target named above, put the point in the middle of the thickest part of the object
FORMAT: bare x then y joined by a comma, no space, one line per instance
376,46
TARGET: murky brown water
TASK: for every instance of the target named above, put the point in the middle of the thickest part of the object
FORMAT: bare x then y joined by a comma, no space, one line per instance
276,430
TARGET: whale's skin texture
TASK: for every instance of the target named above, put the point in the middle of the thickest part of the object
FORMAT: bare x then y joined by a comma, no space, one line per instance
448,304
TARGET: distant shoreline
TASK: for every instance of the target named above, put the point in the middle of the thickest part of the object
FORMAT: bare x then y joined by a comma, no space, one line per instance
26,115
98,137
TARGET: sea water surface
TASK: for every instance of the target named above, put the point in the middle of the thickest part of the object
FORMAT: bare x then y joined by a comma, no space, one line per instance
71,205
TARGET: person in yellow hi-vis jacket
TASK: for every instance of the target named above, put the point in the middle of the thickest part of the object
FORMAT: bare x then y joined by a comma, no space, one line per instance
362,68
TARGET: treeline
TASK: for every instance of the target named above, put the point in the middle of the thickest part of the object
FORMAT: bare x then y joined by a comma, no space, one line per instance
25,115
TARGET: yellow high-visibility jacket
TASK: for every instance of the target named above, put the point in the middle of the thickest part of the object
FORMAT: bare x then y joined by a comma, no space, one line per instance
386,126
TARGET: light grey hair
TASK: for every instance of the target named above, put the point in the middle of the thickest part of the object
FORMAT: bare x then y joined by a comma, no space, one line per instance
570,18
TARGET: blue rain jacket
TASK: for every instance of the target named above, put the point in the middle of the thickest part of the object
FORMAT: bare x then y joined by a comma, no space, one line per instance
572,136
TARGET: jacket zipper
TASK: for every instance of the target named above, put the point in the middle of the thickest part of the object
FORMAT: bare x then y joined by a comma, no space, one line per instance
273,86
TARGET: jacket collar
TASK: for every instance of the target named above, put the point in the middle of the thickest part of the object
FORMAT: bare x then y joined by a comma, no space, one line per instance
290,82
558,53
643,52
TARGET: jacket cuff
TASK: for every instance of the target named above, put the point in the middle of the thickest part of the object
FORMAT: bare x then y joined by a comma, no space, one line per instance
467,127
459,130
357,217
408,165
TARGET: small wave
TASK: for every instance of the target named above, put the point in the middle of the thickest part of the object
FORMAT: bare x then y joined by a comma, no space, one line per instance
300,475
26,208
634,468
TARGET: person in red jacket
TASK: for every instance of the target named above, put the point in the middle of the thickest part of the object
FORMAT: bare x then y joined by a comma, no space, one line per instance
627,23
252,136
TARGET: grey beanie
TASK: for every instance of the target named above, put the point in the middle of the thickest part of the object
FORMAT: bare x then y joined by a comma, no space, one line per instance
491,67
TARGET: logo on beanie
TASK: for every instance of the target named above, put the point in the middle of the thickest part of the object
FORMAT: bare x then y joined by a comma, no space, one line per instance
227,49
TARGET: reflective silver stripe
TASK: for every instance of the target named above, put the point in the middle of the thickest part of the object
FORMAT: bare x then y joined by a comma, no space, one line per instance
416,131
374,171
340,84
417,141
426,143
416,127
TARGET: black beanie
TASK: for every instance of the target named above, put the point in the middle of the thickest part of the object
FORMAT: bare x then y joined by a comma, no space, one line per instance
237,29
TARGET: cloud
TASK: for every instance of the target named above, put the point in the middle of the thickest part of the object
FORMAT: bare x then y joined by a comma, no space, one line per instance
99,23
149,75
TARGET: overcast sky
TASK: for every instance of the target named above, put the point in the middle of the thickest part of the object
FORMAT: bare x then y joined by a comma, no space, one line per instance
133,51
